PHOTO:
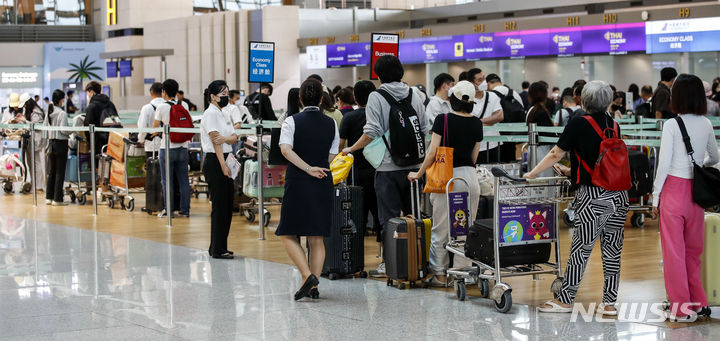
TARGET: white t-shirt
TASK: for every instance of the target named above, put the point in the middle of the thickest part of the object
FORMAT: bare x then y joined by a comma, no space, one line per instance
502,89
493,105
435,107
214,119
162,113
146,120
238,113
287,135
565,115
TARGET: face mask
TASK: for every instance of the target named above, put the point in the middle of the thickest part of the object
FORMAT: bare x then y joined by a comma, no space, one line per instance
615,107
224,100
483,86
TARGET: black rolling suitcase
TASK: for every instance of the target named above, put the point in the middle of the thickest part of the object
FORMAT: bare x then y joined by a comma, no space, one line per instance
153,187
404,246
345,247
479,246
485,207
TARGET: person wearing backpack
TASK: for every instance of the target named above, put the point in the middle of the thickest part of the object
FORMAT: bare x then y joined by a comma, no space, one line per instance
682,221
601,201
57,150
396,109
177,116
35,114
513,112
151,142
98,110
489,109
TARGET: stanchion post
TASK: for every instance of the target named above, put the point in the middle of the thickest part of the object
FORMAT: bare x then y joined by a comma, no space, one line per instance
93,175
32,161
260,180
168,181
532,146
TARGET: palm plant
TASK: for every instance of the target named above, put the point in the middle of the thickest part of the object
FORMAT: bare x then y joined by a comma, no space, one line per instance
84,71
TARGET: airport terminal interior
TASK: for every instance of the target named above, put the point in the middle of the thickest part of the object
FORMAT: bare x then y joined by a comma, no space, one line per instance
119,220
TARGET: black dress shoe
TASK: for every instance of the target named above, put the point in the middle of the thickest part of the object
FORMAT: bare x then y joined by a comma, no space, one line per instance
704,311
304,290
224,255
314,293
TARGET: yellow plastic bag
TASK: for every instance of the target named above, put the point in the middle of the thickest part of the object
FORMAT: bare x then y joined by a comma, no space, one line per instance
340,167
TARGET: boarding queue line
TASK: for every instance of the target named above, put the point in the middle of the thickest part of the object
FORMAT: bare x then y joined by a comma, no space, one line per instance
645,133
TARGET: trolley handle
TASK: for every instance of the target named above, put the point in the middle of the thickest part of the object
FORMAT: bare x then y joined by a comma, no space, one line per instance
415,198
502,173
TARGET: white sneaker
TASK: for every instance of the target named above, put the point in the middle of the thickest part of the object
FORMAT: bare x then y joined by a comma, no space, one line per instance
379,272
48,202
681,319
59,203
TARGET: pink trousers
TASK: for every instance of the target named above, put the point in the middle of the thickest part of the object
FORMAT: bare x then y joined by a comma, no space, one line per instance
682,232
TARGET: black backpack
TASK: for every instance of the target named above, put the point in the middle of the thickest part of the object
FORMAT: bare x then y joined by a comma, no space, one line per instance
513,111
571,115
252,102
406,137
644,110
640,173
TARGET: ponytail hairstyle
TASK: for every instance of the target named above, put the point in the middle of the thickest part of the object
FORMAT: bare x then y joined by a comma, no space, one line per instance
311,93
57,96
215,87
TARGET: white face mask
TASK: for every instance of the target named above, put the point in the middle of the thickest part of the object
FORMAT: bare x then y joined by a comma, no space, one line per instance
483,86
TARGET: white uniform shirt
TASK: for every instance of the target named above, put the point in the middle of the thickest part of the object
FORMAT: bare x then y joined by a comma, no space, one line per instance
162,113
503,90
287,135
146,120
673,158
493,105
214,119
435,107
565,115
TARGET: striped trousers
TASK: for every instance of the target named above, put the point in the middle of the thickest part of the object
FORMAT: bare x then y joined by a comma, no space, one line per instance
598,214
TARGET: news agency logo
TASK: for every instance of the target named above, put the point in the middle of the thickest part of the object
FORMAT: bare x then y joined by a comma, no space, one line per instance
632,312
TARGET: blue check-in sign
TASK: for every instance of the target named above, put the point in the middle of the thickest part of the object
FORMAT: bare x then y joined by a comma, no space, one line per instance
262,62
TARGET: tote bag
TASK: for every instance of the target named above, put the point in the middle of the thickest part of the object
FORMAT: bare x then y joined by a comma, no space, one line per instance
441,171
375,151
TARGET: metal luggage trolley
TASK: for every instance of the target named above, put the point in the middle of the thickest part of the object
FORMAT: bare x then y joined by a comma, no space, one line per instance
13,145
514,198
134,179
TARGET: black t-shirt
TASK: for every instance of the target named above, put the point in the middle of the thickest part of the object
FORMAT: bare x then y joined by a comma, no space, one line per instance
580,139
463,133
351,129
661,101
543,119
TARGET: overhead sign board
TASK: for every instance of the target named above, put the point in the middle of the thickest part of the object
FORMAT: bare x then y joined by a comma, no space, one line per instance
21,77
262,62
112,69
316,57
684,35
382,44
125,67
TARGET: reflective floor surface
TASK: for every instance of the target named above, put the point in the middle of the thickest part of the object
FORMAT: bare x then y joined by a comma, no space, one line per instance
64,283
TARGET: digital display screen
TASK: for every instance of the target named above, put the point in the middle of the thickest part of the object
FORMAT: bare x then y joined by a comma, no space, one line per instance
613,39
565,41
522,43
358,54
684,35
336,55
429,50
125,68
477,46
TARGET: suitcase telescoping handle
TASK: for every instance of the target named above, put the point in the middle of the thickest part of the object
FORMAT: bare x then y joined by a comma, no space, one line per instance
415,198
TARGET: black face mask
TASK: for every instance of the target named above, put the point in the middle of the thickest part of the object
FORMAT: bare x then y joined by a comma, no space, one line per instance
615,107
224,101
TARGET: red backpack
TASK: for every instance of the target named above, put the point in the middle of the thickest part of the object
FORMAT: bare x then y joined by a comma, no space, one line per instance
180,118
612,169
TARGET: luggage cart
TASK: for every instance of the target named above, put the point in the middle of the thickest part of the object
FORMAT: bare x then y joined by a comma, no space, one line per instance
13,144
273,189
79,174
513,196
198,185
134,179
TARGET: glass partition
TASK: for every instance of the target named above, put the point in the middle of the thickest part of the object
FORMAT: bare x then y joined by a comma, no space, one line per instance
44,12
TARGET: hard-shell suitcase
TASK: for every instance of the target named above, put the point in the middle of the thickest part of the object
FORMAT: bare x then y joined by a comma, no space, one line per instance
345,247
273,180
195,159
710,258
479,246
104,170
485,207
405,246
240,197
153,186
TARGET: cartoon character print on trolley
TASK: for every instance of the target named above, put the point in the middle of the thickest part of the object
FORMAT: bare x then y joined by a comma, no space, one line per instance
538,224
460,220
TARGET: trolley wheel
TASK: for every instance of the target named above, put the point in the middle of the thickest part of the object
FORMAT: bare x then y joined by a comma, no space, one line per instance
412,284
333,276
249,216
638,220
460,290
197,194
266,218
389,282
556,287
567,220
111,202
8,187
363,274
26,188
484,286
505,302
130,205
72,196
401,286
82,199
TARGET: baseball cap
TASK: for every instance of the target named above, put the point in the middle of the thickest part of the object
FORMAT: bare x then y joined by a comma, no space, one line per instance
708,89
14,100
464,90
23,98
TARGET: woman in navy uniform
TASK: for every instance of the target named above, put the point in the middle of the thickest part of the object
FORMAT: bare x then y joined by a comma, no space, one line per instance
309,140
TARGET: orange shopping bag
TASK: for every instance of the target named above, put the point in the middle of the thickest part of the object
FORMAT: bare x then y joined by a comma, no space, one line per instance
441,171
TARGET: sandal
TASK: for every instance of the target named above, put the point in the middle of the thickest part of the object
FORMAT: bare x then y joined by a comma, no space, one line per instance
555,308
224,255
436,283
601,310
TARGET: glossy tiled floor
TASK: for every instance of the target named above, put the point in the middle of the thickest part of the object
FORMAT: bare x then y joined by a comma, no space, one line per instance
64,283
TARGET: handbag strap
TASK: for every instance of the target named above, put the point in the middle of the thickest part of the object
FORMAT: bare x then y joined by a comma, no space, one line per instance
686,138
446,136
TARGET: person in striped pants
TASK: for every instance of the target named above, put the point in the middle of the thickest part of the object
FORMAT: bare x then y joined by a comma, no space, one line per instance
600,213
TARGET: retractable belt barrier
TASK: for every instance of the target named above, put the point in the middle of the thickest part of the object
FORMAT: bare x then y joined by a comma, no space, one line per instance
646,133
